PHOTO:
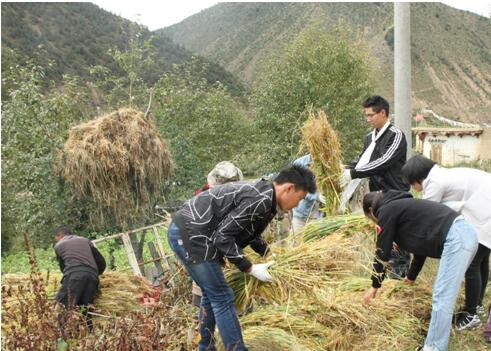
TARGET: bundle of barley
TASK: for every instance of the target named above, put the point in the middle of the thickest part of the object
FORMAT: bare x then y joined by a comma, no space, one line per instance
296,271
299,319
348,224
323,144
117,161
261,338
120,293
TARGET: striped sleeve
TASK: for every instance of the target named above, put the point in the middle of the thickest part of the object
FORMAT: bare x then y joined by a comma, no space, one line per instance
394,150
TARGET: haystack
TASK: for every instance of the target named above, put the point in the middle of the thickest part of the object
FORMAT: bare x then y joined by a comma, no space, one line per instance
118,161
323,144
121,293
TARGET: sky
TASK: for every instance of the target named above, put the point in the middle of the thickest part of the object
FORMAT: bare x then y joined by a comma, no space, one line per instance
159,14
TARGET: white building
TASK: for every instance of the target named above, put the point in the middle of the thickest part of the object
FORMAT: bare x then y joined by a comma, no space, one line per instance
451,146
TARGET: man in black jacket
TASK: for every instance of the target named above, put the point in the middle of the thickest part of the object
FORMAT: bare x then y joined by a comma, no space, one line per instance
384,150
426,229
81,264
384,154
219,223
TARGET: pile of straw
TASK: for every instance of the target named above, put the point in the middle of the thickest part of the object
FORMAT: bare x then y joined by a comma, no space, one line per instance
297,271
315,300
323,144
117,161
121,293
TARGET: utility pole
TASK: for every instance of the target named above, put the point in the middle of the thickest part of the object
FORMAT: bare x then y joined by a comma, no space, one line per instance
402,70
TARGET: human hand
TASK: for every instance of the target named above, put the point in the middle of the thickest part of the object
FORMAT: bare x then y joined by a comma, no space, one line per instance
346,178
369,295
322,198
260,271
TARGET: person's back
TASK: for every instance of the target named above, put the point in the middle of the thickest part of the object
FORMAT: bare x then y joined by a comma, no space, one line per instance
228,207
76,253
467,191
406,220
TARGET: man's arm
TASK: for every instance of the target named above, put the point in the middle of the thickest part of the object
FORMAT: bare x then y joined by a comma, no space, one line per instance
384,247
99,259
60,261
415,267
260,246
394,150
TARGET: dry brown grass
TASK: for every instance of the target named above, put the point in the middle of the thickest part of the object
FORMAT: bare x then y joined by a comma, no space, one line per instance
117,161
323,144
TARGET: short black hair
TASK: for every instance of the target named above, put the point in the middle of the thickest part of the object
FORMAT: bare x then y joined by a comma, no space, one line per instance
371,201
300,176
377,103
416,169
63,230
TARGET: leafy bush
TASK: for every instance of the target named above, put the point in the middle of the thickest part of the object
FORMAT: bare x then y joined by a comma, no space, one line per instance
203,125
319,69
34,125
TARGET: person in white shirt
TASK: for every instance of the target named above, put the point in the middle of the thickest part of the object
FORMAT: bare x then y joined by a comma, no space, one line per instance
467,191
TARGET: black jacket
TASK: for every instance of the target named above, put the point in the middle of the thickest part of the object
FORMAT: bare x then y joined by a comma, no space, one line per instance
417,226
386,161
221,221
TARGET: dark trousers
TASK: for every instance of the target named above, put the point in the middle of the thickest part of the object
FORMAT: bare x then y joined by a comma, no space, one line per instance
476,279
79,289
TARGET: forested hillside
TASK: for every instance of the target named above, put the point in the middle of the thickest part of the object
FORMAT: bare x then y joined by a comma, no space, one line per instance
451,49
77,36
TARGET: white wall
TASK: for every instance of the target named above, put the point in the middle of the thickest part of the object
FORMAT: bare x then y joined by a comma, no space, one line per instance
454,149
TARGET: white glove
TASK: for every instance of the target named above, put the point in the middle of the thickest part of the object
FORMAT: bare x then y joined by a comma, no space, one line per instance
322,198
346,178
260,271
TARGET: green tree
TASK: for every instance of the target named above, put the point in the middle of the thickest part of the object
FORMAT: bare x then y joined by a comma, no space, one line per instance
34,125
203,124
319,69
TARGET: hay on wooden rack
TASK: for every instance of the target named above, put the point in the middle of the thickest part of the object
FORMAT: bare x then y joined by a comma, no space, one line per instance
119,162
323,144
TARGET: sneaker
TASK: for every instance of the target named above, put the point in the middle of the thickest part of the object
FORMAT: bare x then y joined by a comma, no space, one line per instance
467,321
481,311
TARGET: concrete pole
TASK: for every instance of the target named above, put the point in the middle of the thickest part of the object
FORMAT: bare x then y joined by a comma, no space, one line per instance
402,70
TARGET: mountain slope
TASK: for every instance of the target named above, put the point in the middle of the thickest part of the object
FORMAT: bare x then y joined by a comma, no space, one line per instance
451,49
78,35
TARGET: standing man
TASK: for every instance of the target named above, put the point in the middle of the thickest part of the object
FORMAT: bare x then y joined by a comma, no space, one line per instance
384,154
219,223
81,264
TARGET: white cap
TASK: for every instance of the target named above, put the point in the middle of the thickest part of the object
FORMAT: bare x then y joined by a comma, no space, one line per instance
224,172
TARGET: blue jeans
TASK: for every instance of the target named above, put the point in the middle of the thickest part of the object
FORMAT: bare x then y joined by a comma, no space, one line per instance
217,301
459,249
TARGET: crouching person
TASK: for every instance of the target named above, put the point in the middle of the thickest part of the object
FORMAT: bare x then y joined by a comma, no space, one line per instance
218,224
81,264
426,229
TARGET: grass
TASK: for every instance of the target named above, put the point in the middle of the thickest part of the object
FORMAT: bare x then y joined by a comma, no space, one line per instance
19,262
